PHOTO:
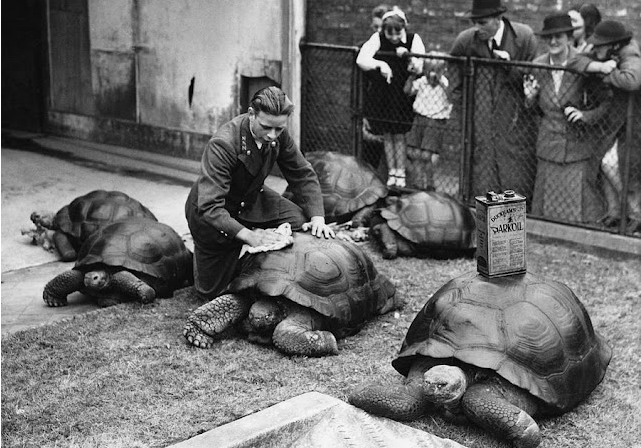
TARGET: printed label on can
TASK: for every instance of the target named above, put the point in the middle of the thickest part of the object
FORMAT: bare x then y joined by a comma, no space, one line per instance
500,225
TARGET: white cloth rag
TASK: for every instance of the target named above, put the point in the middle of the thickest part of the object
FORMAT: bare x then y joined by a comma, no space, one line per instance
283,229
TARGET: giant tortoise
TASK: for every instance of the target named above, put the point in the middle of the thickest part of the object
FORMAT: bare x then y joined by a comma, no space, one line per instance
134,259
424,223
75,222
301,298
497,351
350,187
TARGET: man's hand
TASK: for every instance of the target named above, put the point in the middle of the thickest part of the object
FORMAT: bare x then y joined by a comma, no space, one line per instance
318,227
573,114
608,67
501,54
260,237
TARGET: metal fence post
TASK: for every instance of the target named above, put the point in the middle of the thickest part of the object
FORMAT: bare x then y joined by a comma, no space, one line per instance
467,131
626,164
357,108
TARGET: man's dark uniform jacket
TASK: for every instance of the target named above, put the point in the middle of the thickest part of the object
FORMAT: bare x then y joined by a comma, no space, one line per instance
230,194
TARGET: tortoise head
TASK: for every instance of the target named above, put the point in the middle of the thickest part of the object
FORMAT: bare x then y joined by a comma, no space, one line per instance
43,219
444,384
265,314
97,280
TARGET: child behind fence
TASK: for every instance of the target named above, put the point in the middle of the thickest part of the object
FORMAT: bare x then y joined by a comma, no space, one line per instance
432,109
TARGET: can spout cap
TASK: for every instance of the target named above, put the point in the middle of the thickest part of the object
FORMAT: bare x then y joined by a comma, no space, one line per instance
492,196
509,193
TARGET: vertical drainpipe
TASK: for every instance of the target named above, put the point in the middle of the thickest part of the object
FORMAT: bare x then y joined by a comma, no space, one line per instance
293,29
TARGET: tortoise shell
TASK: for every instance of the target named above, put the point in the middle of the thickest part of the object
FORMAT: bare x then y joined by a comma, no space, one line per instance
333,277
431,219
139,245
347,184
86,214
533,332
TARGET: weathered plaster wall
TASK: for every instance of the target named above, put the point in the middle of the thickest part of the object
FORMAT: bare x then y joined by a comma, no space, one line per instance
171,43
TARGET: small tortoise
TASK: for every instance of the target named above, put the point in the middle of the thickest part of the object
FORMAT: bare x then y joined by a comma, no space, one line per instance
497,352
301,298
424,223
75,222
350,187
134,259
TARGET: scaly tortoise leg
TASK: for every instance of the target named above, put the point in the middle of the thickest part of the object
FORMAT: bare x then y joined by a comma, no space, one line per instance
64,247
489,409
57,289
387,240
127,284
300,334
402,402
215,317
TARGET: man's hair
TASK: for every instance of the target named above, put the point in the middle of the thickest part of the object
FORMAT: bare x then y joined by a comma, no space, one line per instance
272,101
591,16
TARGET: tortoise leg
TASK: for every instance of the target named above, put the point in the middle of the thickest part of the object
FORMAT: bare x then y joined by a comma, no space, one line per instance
58,288
300,334
214,317
486,405
404,402
118,287
363,216
64,247
387,240
132,287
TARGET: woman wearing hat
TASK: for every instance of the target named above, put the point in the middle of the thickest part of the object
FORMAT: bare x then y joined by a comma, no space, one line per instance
616,58
569,139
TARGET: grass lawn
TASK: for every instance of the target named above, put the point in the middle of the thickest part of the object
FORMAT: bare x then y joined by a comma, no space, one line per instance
126,377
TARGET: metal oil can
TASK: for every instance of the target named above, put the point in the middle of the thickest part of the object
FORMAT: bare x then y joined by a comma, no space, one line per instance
500,228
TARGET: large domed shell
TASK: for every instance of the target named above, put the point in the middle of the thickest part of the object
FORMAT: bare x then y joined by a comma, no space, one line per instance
86,214
333,277
431,219
533,332
347,184
140,245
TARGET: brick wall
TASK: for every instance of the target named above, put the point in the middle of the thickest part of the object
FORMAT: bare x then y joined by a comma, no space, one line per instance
346,22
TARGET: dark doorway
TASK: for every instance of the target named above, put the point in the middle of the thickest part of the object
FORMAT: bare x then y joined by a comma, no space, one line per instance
23,65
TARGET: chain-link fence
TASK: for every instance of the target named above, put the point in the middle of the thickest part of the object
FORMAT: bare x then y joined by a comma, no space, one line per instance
467,126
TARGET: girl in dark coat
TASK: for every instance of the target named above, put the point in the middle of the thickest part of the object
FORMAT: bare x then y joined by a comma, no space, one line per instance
387,108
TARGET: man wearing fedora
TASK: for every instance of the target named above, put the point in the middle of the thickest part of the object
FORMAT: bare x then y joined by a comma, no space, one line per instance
616,58
503,140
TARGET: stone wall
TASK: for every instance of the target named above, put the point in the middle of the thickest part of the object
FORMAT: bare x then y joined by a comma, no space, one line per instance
346,22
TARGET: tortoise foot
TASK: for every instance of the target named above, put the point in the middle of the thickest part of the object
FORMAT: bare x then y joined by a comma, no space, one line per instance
398,402
488,406
55,302
530,437
215,317
197,337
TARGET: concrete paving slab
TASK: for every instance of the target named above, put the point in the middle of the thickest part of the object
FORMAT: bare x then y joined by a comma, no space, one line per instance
45,173
315,420
22,306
